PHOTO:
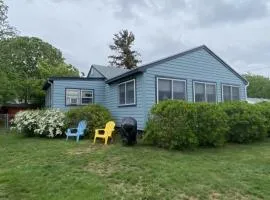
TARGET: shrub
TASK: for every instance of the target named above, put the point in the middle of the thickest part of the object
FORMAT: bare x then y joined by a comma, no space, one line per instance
48,123
180,125
170,125
211,125
265,110
95,115
246,122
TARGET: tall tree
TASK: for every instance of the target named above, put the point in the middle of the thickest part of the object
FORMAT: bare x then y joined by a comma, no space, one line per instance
259,86
5,29
7,92
27,62
125,57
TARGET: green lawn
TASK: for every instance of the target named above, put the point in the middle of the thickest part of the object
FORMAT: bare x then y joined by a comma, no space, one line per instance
40,168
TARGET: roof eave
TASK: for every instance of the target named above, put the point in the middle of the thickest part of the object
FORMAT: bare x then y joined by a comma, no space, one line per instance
46,85
52,79
129,73
89,71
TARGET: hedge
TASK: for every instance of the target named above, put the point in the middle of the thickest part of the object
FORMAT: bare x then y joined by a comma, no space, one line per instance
212,124
95,115
181,125
247,122
171,126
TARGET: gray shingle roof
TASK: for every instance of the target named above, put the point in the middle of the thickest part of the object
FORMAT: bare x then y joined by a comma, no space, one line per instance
109,72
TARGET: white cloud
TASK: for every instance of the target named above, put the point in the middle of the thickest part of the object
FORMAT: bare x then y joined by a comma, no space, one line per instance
237,31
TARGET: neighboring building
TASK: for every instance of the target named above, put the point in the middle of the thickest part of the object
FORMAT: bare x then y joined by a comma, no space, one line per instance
12,108
196,75
257,100
9,110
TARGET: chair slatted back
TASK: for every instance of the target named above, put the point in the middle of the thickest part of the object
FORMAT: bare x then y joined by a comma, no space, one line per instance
109,128
81,126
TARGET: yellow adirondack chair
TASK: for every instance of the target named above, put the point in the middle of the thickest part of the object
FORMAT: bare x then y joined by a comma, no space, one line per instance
109,128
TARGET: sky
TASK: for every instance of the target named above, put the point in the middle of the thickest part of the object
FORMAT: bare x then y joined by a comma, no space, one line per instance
236,30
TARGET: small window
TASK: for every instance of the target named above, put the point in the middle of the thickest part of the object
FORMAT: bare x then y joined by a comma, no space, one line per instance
127,93
211,93
75,97
230,93
87,97
122,94
227,93
199,92
72,97
205,92
164,89
179,90
170,89
235,93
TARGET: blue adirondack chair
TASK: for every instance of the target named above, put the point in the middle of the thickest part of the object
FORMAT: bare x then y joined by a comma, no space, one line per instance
77,132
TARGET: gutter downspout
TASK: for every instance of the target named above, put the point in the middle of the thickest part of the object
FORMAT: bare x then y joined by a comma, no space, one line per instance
51,96
246,90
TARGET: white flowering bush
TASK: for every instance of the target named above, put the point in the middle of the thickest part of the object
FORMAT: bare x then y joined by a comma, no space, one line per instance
48,123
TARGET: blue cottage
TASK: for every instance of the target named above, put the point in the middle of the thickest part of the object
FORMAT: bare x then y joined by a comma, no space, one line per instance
196,75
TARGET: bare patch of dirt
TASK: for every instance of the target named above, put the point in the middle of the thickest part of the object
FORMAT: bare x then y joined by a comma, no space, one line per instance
214,196
87,149
109,166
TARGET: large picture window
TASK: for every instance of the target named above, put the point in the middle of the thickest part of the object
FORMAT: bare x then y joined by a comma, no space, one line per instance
230,93
75,97
127,93
205,92
170,89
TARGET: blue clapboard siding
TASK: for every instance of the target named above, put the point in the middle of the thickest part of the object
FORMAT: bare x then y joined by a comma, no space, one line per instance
199,65
59,87
119,112
195,66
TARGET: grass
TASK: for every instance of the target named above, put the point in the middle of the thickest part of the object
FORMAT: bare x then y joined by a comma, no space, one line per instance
40,168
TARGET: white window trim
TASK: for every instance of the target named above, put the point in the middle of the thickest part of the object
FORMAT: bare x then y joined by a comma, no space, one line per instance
83,90
171,79
205,95
80,97
134,89
229,85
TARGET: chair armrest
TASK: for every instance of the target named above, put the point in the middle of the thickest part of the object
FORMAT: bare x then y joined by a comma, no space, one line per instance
98,130
70,129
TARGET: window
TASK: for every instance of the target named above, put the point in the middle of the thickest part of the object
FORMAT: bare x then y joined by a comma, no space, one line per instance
199,92
87,97
226,93
170,89
75,97
205,92
127,93
230,93
72,97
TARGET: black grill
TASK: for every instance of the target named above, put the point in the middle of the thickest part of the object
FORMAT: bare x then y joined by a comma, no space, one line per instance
129,131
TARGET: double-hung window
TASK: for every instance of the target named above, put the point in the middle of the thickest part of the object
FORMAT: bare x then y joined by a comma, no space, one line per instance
75,97
168,88
87,97
204,92
127,93
230,93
